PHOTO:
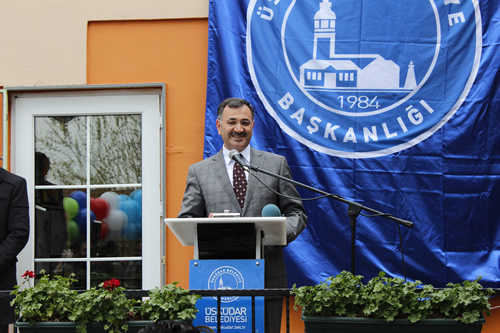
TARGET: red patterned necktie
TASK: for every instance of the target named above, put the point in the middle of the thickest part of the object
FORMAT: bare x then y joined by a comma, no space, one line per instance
239,184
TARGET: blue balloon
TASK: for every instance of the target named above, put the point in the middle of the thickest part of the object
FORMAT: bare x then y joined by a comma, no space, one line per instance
81,219
133,211
133,193
124,197
80,197
132,231
138,196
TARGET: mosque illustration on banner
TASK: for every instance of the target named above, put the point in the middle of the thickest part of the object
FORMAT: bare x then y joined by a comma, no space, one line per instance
348,71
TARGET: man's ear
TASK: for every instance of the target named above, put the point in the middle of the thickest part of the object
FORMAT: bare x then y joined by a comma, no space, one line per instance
217,123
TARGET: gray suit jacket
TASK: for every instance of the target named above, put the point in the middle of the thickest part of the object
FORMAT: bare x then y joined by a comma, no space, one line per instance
209,190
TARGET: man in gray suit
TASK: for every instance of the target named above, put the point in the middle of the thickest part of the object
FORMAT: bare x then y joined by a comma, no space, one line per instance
209,190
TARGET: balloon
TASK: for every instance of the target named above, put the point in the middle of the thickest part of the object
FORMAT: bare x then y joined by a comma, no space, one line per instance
73,230
81,219
80,197
124,197
132,231
137,196
133,193
71,207
104,233
124,217
112,198
116,220
100,207
132,209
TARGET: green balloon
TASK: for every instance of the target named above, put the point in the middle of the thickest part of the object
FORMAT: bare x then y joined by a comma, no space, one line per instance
73,230
71,207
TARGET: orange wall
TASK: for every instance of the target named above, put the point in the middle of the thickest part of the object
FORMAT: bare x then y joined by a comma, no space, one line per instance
173,52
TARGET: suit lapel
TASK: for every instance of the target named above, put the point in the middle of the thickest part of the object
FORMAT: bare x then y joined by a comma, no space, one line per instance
256,161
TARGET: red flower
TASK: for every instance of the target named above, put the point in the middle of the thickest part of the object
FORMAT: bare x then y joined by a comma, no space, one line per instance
29,274
111,284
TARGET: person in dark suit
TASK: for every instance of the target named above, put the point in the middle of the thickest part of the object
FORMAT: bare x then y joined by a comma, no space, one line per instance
14,233
209,190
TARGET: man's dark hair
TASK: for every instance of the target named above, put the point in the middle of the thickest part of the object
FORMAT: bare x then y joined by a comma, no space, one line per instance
234,103
169,326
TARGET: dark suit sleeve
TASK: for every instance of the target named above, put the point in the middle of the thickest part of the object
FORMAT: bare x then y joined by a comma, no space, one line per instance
193,203
293,209
15,201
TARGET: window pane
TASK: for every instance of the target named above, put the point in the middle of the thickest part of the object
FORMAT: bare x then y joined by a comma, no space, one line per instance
64,269
115,152
50,224
128,272
87,221
61,145
118,221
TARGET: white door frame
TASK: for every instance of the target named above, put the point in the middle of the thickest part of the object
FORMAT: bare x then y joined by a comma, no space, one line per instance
147,100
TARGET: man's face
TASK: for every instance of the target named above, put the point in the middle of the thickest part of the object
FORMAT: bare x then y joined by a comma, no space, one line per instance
236,127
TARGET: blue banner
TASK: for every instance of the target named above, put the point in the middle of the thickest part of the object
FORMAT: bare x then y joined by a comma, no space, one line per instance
391,104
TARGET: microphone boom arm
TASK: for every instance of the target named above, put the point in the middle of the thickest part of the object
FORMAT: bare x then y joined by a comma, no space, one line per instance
353,209
335,196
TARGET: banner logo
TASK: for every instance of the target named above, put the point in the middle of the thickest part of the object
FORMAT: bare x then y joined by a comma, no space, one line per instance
226,277
364,78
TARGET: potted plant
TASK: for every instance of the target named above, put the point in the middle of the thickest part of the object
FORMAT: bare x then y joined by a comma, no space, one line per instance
105,303
169,302
48,300
392,304
52,306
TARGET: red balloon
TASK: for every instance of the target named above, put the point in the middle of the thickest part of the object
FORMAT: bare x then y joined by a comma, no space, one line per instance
100,207
104,231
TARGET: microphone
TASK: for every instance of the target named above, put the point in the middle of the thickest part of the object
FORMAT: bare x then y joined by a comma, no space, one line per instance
271,210
235,156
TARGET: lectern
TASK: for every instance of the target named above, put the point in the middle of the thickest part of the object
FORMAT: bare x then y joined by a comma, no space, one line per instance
228,254
268,231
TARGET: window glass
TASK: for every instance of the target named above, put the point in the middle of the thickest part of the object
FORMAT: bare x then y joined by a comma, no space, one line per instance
61,146
115,149
88,192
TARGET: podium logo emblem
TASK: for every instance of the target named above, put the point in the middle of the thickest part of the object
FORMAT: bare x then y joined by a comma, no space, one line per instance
362,79
226,277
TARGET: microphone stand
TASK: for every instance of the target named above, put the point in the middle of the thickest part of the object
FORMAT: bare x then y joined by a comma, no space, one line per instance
353,210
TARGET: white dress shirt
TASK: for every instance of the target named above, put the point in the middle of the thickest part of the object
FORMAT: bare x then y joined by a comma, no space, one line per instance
245,155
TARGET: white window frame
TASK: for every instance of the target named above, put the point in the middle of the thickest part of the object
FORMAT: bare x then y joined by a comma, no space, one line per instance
147,100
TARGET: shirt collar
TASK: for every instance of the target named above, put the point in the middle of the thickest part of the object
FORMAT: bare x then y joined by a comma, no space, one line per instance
245,153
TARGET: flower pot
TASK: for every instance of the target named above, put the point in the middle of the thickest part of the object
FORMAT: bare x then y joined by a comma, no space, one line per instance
46,327
369,325
70,327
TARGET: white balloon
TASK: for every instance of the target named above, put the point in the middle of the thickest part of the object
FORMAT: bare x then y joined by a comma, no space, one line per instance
115,220
112,198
